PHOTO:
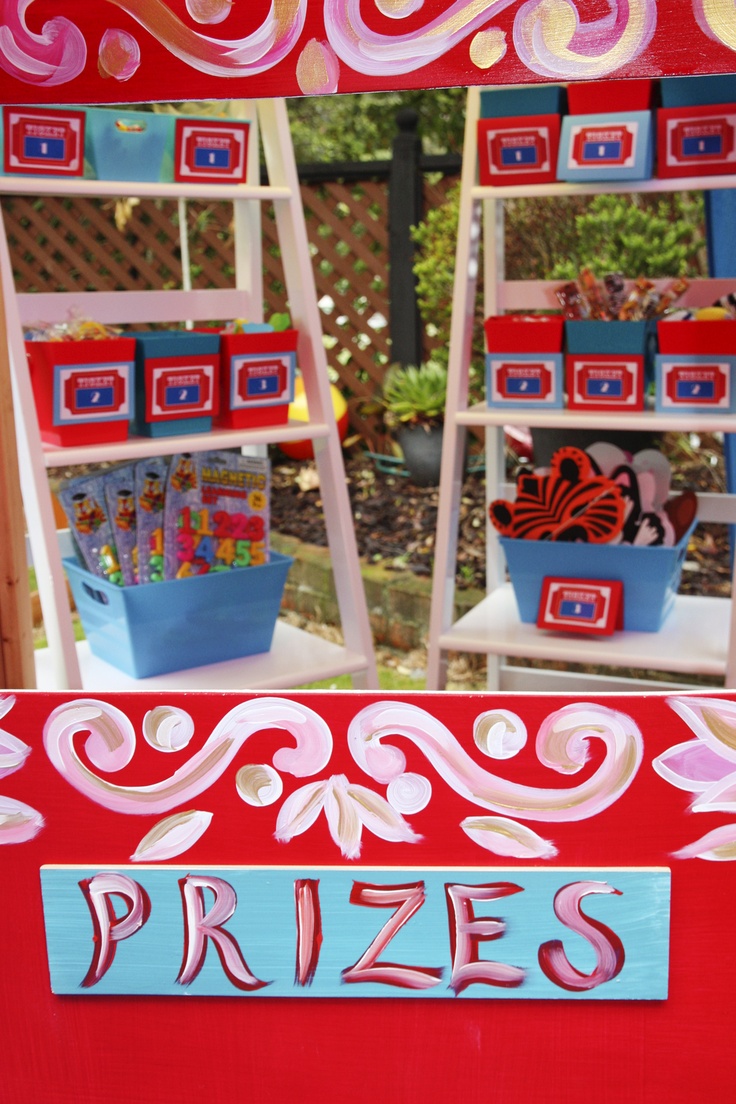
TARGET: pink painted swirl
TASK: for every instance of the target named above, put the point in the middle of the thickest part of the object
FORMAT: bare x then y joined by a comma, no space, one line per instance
55,56
562,744
111,741
269,43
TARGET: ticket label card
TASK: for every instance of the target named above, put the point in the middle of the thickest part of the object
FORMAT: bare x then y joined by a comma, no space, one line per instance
530,380
581,605
180,386
599,382
261,380
213,151
88,393
42,141
691,383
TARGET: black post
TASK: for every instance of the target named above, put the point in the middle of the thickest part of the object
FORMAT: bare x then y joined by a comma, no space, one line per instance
404,211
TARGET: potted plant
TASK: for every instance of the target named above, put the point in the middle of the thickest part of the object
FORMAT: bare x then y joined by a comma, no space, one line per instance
413,398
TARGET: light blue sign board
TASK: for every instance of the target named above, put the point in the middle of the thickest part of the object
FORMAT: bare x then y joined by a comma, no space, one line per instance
264,927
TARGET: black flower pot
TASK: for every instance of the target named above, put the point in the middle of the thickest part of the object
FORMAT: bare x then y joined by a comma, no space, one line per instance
422,449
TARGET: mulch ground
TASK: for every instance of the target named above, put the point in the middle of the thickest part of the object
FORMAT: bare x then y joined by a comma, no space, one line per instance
395,520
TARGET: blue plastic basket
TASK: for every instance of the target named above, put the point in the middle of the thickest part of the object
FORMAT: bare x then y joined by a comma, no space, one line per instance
650,575
170,626
129,145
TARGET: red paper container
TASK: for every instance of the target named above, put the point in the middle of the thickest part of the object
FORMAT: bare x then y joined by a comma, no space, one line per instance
257,372
517,333
607,97
716,337
83,389
696,141
521,150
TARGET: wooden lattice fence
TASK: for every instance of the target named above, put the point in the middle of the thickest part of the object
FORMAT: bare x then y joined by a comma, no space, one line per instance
79,244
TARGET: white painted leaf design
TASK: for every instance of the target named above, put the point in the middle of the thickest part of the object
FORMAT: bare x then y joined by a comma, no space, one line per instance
18,822
172,836
718,845
506,837
13,753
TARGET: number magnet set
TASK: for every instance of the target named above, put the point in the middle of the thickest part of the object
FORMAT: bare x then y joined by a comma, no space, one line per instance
600,516
196,526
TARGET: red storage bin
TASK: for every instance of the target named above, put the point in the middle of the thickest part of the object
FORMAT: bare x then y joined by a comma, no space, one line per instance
83,389
522,333
610,96
257,372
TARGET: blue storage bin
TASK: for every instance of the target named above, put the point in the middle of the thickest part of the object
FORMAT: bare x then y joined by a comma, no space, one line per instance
590,336
177,382
504,103
129,145
593,336
650,576
159,627
698,91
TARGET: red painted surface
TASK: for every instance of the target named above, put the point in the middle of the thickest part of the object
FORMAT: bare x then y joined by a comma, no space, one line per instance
127,37
64,1049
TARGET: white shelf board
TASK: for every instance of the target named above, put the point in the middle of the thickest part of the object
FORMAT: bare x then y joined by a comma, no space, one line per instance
604,187
523,680
692,640
296,657
139,448
645,420
67,186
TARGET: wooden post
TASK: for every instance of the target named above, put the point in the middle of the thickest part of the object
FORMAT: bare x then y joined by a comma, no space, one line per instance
17,669
405,211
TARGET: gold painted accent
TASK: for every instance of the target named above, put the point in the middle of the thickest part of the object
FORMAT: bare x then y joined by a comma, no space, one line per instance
719,16
13,820
285,14
171,787
311,69
395,9
487,48
458,20
554,23
726,851
484,726
251,780
721,729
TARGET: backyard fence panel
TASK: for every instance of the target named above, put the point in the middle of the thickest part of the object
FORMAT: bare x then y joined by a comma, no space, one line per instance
74,244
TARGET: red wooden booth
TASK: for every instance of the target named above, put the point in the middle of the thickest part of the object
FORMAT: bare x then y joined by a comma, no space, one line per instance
319,897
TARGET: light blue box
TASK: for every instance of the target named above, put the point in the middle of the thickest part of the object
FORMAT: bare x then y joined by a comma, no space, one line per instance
129,145
683,393
532,380
650,575
618,146
170,626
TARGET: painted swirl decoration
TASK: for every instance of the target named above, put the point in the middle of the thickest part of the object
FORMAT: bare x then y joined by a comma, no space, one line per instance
549,37
111,742
562,744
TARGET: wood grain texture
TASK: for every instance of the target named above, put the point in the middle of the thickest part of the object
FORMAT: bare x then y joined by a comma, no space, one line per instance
65,1048
135,51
